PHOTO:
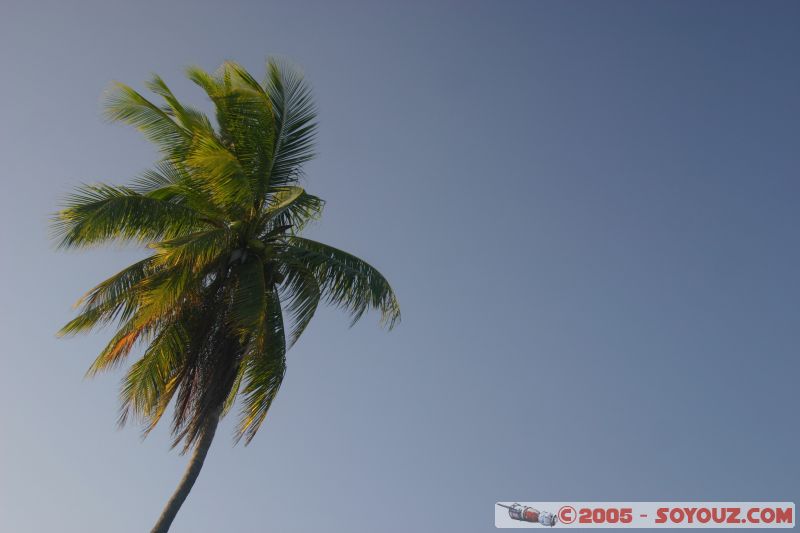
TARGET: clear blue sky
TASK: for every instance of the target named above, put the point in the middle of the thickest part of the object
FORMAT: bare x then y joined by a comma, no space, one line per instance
589,211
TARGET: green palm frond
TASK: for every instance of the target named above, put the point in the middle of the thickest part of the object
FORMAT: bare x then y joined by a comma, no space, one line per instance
98,213
291,206
187,117
346,281
170,291
114,298
245,117
128,335
219,173
264,368
151,381
233,395
295,124
195,251
302,293
170,182
248,303
124,104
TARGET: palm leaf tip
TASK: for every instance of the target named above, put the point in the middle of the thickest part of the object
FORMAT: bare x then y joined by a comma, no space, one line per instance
124,104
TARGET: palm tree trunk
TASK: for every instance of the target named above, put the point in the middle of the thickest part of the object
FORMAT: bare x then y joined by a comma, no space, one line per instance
189,477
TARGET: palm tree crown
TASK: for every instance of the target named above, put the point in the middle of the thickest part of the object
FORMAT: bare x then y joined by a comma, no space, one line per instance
230,283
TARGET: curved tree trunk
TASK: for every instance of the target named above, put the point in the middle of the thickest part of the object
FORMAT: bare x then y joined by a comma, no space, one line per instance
189,477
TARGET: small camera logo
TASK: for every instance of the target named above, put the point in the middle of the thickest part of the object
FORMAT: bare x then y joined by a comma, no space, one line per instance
529,514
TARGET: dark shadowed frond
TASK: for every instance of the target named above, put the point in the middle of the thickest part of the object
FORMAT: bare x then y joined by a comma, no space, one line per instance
248,303
264,366
302,294
346,280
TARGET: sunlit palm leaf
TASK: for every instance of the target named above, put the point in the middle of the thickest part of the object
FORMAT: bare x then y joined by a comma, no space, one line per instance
152,380
98,213
195,251
219,173
126,105
291,206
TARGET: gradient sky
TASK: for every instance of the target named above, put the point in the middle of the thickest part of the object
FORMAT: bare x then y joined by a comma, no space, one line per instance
589,211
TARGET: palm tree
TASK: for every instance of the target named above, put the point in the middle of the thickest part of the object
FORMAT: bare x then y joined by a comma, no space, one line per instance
229,284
